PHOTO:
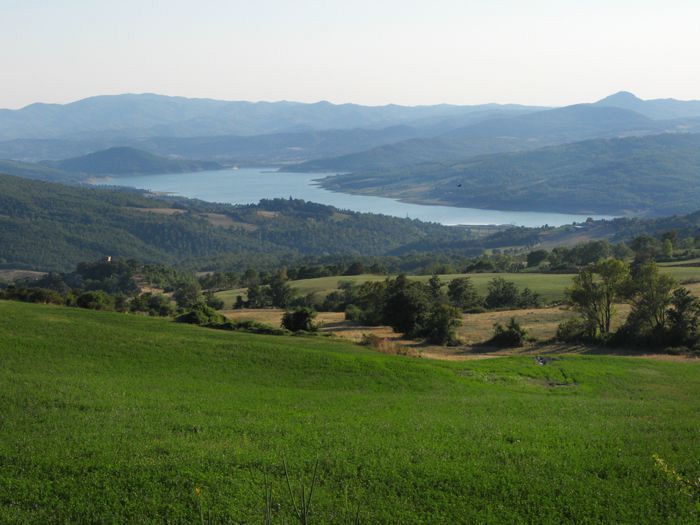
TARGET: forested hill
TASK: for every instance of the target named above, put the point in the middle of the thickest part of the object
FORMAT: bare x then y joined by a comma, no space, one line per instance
517,133
48,226
654,175
125,160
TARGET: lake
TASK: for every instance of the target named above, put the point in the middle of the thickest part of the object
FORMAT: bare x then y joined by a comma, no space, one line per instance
250,185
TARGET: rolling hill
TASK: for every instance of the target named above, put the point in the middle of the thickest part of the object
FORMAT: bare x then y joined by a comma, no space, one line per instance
523,132
48,226
651,175
145,420
128,161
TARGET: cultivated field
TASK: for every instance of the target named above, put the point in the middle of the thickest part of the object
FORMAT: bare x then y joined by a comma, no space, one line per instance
550,286
118,418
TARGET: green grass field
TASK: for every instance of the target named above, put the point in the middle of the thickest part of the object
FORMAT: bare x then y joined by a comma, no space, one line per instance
115,418
550,286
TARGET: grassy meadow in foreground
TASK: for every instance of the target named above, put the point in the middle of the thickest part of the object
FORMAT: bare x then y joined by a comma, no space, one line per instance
112,418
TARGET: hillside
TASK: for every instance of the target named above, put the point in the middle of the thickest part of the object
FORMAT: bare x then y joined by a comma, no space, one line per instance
129,161
178,420
49,226
235,149
654,175
36,171
507,134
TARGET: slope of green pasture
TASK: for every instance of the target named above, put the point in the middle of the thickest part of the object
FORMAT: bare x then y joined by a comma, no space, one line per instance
116,418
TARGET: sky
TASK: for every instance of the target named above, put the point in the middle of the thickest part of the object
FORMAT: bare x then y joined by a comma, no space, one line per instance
540,52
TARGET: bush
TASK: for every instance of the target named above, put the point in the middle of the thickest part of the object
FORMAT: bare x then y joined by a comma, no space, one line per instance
202,315
153,304
353,313
510,336
33,295
253,327
299,320
97,300
572,330
387,346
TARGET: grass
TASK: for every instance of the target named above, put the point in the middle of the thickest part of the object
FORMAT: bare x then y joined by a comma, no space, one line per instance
550,286
117,418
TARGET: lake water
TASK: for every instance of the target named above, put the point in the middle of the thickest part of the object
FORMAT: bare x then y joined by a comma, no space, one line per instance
249,185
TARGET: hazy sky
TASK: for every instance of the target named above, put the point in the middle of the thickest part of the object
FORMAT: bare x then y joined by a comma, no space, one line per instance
365,51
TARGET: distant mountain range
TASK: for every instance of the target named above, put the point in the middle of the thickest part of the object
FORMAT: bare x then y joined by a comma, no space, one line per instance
149,115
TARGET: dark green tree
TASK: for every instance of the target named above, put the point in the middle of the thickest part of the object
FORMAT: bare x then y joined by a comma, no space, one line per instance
462,294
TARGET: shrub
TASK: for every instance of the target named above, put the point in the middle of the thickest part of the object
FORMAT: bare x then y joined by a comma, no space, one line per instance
509,336
201,314
96,300
253,327
33,295
573,330
387,346
299,320
353,313
153,304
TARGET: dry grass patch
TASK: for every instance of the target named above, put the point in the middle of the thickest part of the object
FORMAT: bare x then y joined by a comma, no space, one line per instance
7,276
224,221
158,211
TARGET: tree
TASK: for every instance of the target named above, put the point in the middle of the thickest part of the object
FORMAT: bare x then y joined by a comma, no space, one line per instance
442,323
281,292
462,294
594,292
536,257
407,305
502,294
683,318
651,296
366,303
622,251
355,268
250,277
258,296
667,248
300,320
213,301
187,294
435,288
